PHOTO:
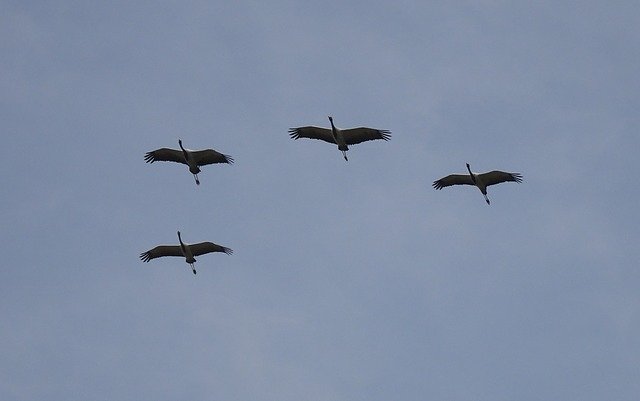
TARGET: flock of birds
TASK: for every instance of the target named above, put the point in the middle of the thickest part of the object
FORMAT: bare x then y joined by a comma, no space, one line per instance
194,159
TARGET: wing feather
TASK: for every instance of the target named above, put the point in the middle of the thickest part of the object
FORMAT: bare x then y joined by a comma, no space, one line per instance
210,156
164,155
453,179
496,177
362,134
324,134
207,247
160,251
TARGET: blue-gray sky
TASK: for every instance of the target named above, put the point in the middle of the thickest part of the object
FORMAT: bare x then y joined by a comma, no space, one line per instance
350,280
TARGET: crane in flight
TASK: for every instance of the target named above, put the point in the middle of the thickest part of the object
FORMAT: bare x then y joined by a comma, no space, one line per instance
188,251
192,158
482,181
340,137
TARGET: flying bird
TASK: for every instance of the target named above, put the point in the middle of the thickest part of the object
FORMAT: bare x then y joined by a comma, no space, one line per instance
192,158
482,181
188,251
340,137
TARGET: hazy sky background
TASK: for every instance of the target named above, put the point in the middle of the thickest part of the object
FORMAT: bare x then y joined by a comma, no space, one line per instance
350,280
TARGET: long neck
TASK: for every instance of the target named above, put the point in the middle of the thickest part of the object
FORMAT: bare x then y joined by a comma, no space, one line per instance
184,151
333,127
473,177
180,239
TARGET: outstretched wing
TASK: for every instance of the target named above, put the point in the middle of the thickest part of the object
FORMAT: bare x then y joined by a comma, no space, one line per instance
323,134
207,247
361,134
496,177
210,156
160,251
453,179
165,155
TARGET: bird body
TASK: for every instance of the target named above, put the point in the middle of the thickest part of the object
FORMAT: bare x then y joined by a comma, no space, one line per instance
192,158
340,137
188,251
482,181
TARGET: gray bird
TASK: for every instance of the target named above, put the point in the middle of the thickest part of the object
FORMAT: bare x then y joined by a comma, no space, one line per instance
482,181
192,158
188,251
340,137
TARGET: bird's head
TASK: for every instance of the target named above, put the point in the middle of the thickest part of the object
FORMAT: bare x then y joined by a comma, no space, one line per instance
184,151
469,168
331,121
178,234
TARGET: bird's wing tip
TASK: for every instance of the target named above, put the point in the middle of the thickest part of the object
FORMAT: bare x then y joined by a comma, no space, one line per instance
294,133
517,177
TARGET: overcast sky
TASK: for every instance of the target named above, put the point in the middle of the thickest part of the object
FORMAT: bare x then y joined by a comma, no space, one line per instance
349,280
